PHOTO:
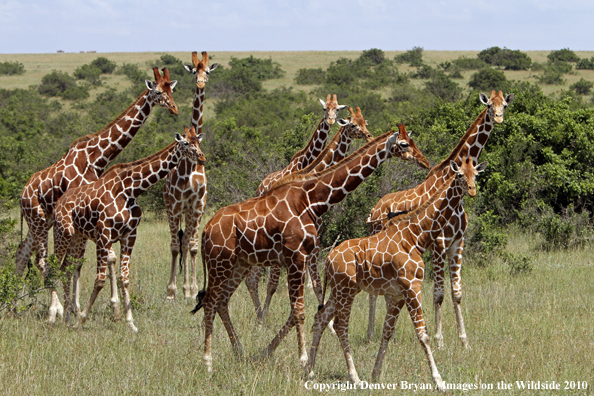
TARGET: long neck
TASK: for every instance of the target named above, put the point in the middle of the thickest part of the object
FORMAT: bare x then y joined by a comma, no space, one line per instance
139,176
104,146
197,111
315,146
335,151
333,185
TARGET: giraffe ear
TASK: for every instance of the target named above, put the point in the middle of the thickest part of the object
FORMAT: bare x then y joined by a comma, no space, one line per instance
509,98
484,99
323,103
200,137
455,167
149,84
173,84
342,121
481,167
179,138
189,68
342,107
213,66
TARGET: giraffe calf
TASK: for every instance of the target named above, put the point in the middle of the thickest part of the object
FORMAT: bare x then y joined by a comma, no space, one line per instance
390,263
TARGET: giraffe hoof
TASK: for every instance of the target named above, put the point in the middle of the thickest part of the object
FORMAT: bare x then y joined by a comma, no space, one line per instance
134,328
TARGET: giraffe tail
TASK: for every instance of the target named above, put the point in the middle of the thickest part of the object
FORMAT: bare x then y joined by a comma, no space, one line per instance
180,235
201,293
21,225
325,285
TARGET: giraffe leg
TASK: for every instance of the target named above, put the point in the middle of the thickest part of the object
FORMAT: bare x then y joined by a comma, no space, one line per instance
252,280
274,274
192,232
344,302
455,278
314,275
76,252
321,321
371,321
174,216
412,292
75,282
103,248
42,233
395,304
439,262
126,246
113,282
24,252
196,217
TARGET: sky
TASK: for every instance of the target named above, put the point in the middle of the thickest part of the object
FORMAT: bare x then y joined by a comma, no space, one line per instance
36,26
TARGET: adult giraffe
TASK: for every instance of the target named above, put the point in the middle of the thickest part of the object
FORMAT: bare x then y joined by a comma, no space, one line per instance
471,144
390,263
280,227
86,160
310,152
106,212
353,127
184,192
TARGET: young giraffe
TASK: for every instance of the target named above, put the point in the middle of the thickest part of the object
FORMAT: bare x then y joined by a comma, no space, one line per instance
472,144
86,160
185,192
390,263
354,127
106,212
280,227
309,153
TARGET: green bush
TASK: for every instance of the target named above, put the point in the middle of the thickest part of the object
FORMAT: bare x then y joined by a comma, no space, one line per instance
105,65
423,72
11,68
582,87
310,76
507,58
442,86
135,75
372,56
552,76
413,57
568,230
561,66
469,63
488,79
485,238
585,64
563,55
89,73
61,84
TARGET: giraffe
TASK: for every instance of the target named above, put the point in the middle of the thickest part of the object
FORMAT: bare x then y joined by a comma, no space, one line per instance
86,160
280,227
106,212
354,127
185,190
308,154
389,263
471,144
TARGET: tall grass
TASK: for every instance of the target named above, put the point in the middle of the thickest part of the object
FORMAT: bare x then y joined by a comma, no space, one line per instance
528,327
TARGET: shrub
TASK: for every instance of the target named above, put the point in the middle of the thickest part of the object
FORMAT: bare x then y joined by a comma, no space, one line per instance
105,65
582,87
485,239
89,73
310,76
551,76
488,79
563,55
490,55
510,59
559,66
135,75
11,68
58,83
264,69
469,63
443,87
568,230
372,56
585,64
413,57
423,72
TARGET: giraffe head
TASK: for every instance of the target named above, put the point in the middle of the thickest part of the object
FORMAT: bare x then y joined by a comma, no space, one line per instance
189,145
466,174
200,68
332,108
161,90
405,148
496,104
356,125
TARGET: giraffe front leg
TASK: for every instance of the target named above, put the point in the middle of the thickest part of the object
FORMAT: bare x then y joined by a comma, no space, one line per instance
438,258
456,280
126,246
252,281
103,248
76,279
395,304
274,274
237,276
371,319
321,321
344,303
113,282
192,233
173,216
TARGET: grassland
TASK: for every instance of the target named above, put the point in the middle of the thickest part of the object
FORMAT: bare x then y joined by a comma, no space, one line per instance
528,327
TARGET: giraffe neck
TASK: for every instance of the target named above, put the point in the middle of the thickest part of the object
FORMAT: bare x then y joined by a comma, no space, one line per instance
434,215
335,151
198,110
315,146
330,187
140,175
102,147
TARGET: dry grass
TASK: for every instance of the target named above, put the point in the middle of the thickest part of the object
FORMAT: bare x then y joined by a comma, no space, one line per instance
532,327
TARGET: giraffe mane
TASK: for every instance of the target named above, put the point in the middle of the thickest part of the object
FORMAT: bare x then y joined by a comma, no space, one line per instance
462,142
108,126
300,177
413,213
322,154
139,161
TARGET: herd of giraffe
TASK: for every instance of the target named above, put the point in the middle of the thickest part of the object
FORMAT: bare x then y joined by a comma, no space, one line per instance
84,200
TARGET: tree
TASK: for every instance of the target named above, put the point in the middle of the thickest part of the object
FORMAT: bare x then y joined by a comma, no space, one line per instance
564,55
509,59
487,79
442,86
413,57
105,65
61,84
372,56
11,68
582,87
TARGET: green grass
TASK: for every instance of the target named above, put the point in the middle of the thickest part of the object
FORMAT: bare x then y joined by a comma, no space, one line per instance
535,326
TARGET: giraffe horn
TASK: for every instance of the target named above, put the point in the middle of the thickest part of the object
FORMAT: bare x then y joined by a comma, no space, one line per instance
359,111
351,111
327,98
402,131
156,73
166,74
195,59
205,58
334,98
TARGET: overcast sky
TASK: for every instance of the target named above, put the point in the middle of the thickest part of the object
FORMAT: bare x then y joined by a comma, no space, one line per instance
35,26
